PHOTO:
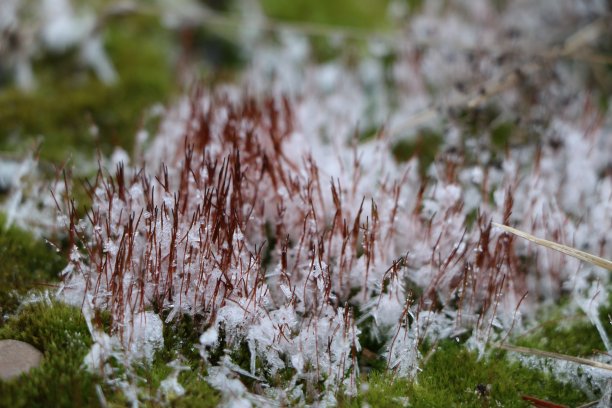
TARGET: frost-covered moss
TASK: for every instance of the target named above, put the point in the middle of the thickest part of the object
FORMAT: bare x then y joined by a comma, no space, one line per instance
424,71
61,333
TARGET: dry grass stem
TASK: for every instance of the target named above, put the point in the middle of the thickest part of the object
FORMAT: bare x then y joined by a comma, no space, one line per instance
583,256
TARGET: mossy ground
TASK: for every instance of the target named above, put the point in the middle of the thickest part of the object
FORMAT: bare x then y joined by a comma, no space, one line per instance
69,101
452,376
455,377
26,265
571,334
63,110
60,332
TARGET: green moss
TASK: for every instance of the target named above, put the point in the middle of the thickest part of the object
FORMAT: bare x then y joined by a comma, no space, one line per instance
475,121
454,377
501,134
180,339
197,392
68,101
359,20
27,263
581,339
60,332
218,50
415,5
567,334
349,13
425,146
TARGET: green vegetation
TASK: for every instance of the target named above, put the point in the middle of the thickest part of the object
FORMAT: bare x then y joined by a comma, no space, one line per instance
26,264
348,13
60,332
425,146
357,19
180,339
454,376
567,333
70,100
580,339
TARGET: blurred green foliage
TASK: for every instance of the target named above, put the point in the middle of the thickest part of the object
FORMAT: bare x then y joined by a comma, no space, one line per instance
69,100
367,14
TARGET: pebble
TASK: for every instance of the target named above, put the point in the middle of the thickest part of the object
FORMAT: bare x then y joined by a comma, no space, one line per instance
16,358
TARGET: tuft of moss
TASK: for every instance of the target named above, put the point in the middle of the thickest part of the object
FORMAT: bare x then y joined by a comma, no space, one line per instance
454,376
581,339
197,392
180,338
571,334
60,332
27,263
501,134
425,146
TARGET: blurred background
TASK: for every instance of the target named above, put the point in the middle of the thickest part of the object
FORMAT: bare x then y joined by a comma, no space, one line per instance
80,75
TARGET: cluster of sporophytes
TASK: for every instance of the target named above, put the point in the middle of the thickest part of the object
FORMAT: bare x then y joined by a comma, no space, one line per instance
299,251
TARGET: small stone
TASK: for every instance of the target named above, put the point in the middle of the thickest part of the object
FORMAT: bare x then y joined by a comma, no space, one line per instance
16,358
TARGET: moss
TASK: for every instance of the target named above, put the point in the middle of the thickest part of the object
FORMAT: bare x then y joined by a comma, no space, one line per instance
218,50
197,392
425,146
581,339
454,376
180,338
359,19
27,263
349,13
475,121
501,134
69,101
567,334
60,332
415,5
